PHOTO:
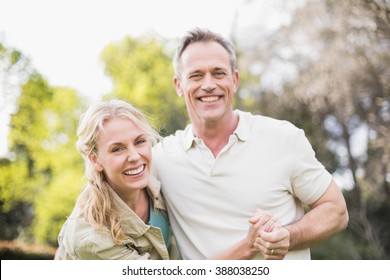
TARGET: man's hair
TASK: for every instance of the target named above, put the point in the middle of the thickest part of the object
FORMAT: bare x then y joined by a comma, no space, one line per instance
202,35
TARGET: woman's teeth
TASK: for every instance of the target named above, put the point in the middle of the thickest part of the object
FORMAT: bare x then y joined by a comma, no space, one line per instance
133,172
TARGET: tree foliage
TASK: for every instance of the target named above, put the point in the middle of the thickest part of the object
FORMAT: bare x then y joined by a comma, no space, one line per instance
15,68
41,151
338,90
141,71
54,204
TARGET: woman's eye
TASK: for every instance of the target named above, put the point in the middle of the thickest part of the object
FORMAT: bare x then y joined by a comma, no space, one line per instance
116,149
140,141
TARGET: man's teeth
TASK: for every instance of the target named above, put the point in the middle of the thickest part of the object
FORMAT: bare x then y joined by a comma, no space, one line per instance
209,98
135,171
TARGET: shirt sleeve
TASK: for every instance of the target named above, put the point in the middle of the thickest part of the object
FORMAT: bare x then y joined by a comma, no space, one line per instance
309,177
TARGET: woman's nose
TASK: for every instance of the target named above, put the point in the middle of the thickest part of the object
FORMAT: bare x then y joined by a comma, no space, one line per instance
133,155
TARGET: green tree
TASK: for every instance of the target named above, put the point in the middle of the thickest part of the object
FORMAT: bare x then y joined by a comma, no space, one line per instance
15,68
24,177
42,140
42,174
142,73
338,91
54,203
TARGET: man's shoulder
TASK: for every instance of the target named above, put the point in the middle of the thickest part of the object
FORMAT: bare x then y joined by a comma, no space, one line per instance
263,122
172,142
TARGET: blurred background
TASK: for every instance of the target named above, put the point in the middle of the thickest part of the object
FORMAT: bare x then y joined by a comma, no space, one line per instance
324,65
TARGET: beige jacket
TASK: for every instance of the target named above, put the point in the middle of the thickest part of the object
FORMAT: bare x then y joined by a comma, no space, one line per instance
79,240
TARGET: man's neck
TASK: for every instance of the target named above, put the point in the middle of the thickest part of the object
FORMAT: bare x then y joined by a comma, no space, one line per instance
216,135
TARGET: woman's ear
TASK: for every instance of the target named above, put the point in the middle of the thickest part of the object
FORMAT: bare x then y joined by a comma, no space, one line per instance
95,161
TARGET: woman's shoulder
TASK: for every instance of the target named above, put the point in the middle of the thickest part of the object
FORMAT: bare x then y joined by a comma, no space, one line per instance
78,237
78,229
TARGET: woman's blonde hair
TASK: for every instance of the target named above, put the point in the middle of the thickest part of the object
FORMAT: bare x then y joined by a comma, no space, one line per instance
95,201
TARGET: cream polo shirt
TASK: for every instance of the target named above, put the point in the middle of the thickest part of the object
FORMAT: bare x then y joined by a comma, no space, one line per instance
267,164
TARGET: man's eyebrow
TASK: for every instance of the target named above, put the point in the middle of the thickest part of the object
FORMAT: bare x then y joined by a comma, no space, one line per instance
194,71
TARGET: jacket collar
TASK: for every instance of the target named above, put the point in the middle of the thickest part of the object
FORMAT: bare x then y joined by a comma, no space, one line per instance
131,223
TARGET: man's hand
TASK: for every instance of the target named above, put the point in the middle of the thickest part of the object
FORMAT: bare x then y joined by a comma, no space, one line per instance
272,240
273,245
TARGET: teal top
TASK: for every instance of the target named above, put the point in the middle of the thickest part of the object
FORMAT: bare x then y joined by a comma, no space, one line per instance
158,219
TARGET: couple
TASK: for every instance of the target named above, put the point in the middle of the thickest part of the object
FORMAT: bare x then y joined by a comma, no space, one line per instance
234,183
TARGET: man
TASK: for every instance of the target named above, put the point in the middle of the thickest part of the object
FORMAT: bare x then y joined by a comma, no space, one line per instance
228,164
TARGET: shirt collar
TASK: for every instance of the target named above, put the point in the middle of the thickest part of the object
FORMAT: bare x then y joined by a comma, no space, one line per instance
242,130
189,137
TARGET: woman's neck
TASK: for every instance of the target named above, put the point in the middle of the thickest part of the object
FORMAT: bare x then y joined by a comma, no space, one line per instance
139,204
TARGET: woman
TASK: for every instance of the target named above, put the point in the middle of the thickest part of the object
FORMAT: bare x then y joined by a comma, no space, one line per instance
120,214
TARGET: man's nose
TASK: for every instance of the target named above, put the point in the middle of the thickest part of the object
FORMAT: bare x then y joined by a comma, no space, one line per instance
208,84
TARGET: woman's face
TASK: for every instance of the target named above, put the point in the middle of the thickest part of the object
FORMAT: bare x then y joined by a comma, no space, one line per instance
124,154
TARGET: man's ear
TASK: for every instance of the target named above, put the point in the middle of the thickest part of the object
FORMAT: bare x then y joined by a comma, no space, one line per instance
177,83
93,158
236,80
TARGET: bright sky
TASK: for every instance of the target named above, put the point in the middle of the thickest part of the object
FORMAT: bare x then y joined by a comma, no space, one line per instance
64,38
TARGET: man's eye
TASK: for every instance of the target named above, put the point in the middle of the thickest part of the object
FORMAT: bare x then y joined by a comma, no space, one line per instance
194,76
219,74
140,141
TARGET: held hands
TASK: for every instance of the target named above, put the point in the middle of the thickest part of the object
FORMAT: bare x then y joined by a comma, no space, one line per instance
268,236
265,234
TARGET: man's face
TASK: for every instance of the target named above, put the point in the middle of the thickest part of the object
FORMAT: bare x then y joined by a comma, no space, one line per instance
207,82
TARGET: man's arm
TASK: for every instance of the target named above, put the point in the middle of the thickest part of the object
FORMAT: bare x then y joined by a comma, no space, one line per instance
327,216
